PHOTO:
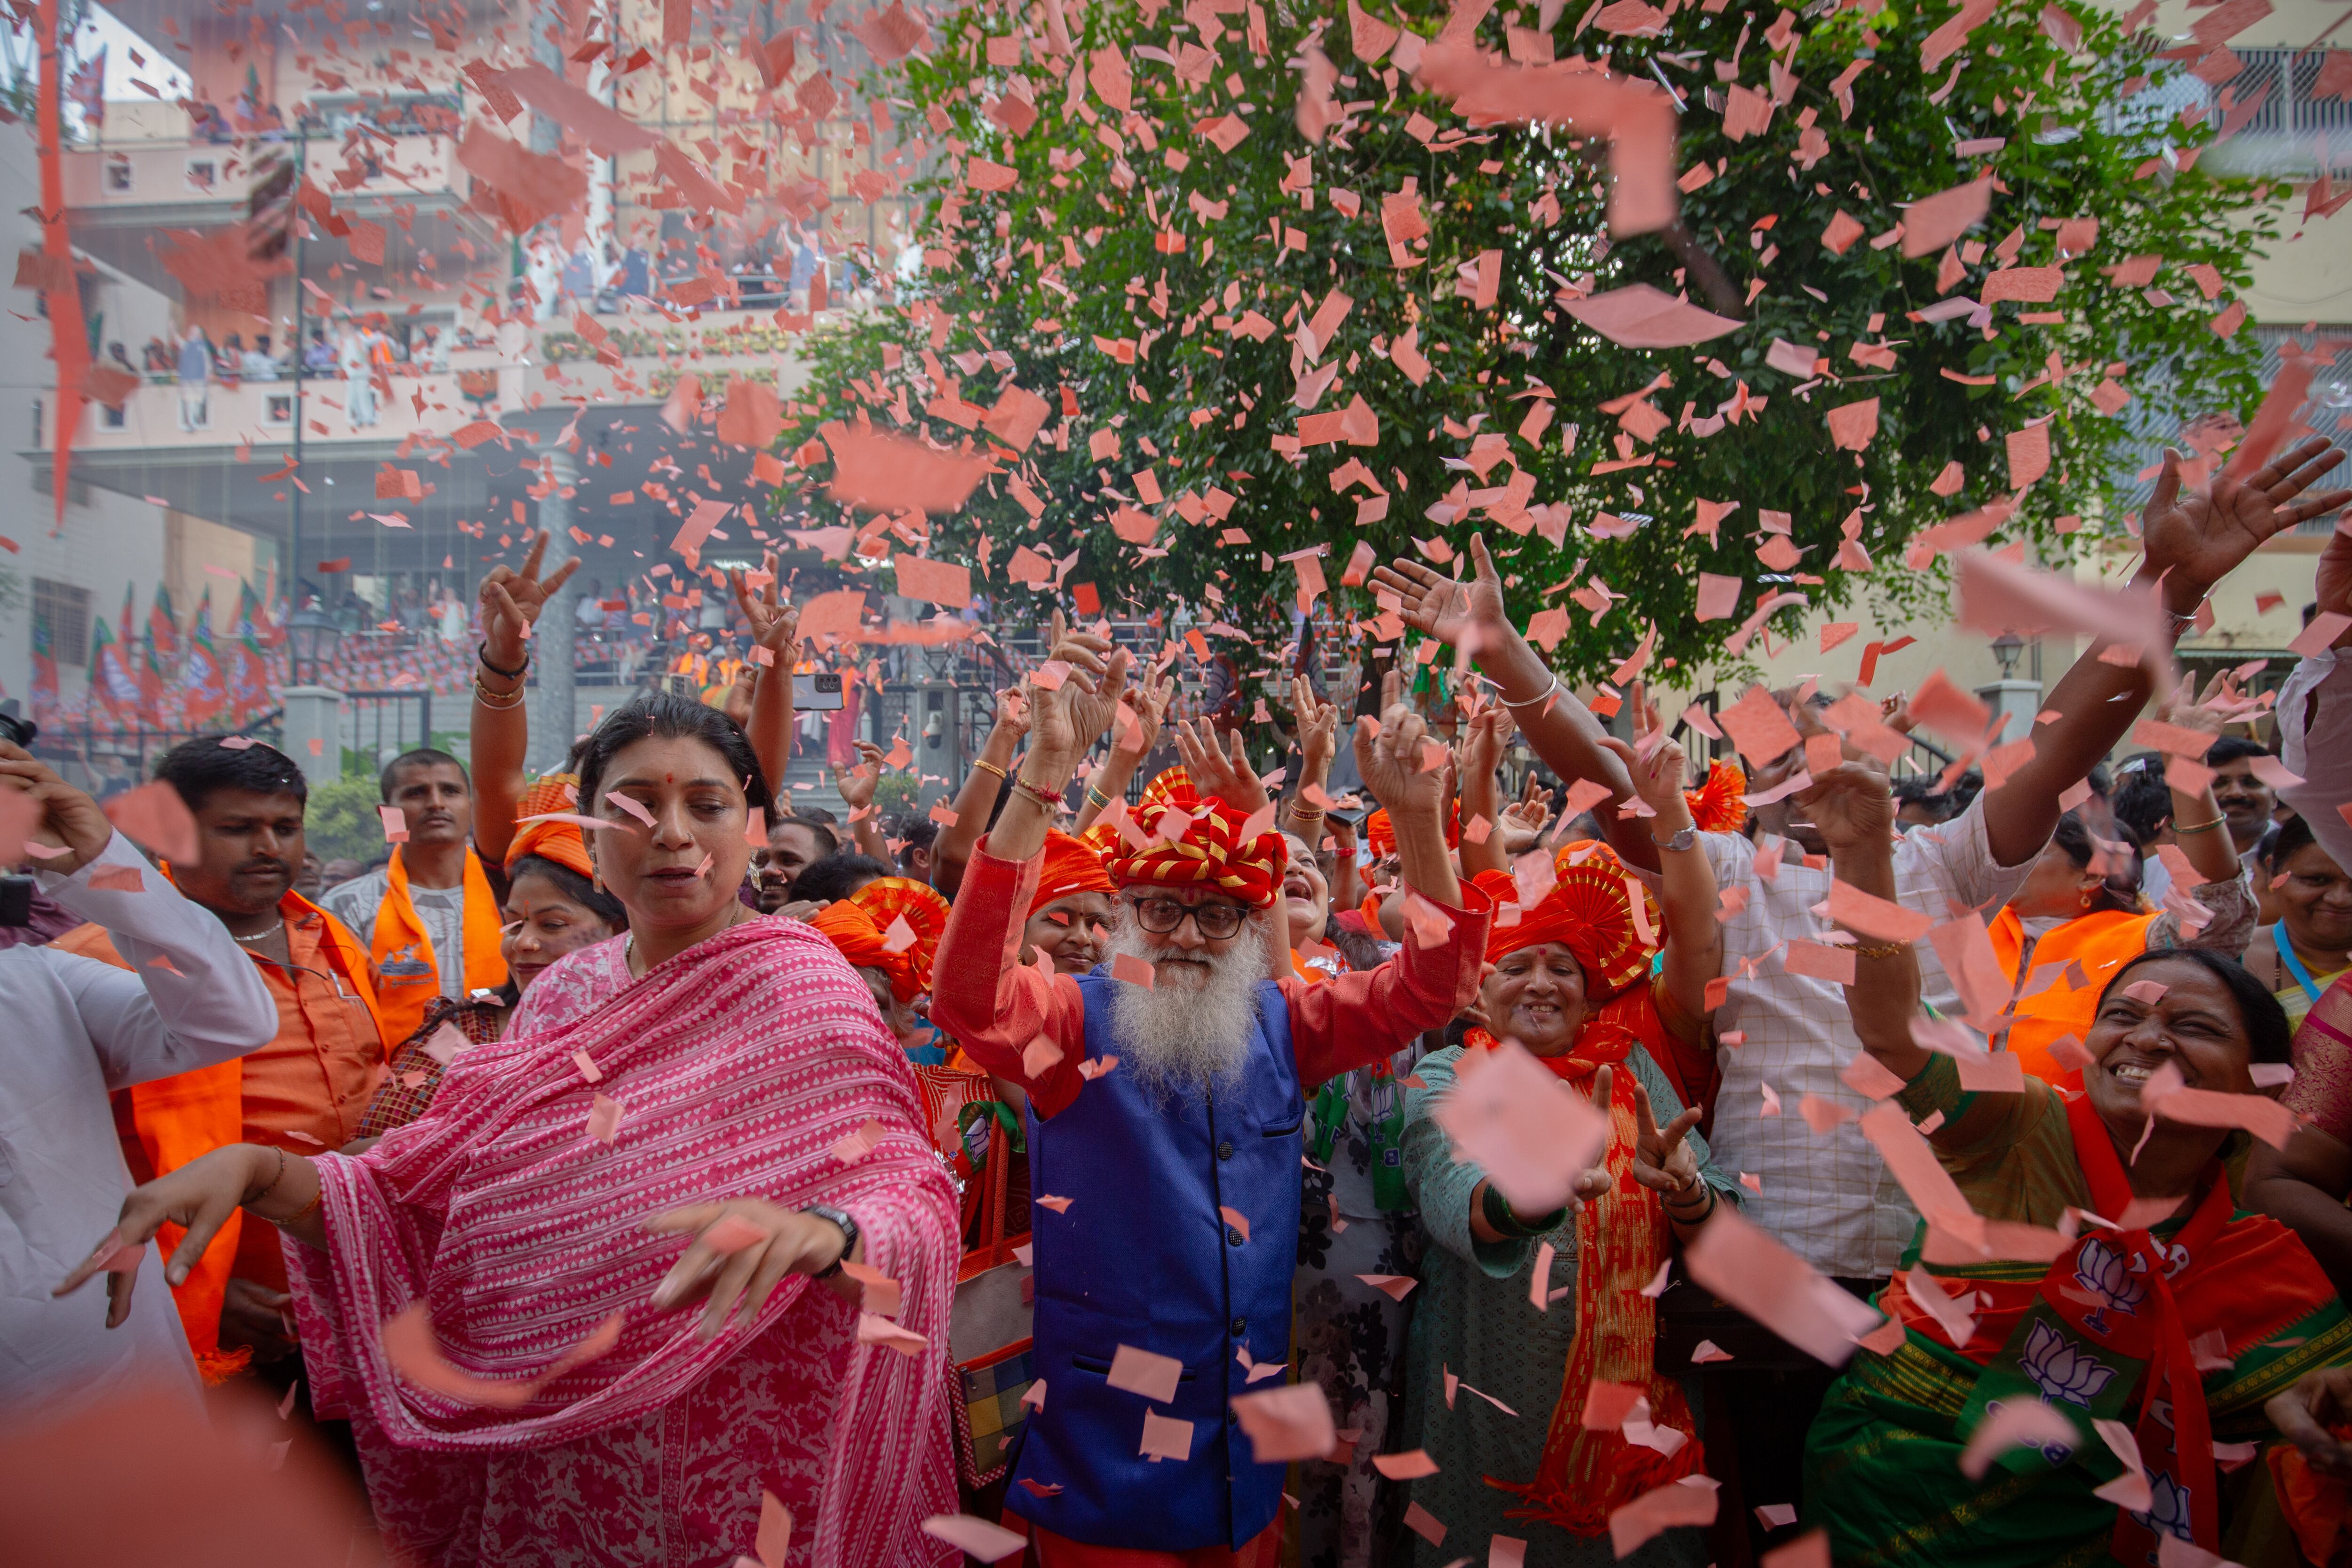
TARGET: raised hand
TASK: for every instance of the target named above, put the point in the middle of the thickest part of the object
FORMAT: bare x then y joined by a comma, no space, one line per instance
1593,1184
1480,752
1149,703
1447,610
857,785
1318,725
2210,713
1215,771
1064,722
1657,778
1664,1160
70,820
743,1250
1390,762
1524,818
1014,714
512,601
775,626
1851,805
2196,539
2332,584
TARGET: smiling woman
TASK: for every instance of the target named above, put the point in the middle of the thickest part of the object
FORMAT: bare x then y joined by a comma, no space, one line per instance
2110,1246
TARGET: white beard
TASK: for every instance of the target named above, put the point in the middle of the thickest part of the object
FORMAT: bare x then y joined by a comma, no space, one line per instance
1182,1034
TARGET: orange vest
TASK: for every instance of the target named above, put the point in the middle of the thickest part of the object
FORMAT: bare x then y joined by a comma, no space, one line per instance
166,1122
2102,943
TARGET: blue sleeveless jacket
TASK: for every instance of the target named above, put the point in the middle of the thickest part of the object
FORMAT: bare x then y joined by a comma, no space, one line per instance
1142,1258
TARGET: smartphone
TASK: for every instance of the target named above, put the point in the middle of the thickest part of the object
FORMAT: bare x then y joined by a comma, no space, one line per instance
817,693
1339,814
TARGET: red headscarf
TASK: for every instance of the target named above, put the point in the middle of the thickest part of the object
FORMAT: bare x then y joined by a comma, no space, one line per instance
1379,831
1717,805
853,931
1072,865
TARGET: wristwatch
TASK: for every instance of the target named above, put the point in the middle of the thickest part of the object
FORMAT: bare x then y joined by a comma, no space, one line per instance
1686,840
849,1235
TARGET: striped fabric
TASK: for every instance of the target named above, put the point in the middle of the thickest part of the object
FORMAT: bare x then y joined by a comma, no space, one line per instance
738,1065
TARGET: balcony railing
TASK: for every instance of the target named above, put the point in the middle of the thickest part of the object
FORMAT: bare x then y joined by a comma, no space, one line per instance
206,178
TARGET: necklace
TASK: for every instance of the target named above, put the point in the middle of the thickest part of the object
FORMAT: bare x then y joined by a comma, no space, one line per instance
260,936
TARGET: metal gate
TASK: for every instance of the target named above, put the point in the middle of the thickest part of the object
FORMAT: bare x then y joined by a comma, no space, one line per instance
379,725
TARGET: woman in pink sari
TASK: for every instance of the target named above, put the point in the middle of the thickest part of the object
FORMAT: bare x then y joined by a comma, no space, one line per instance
492,1293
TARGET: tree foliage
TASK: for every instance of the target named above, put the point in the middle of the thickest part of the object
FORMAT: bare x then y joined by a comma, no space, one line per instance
1131,235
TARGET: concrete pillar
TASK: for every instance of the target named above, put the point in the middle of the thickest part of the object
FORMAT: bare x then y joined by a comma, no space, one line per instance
314,731
2020,700
554,715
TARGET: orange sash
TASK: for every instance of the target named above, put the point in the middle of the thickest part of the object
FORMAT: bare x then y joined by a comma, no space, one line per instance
2101,943
407,971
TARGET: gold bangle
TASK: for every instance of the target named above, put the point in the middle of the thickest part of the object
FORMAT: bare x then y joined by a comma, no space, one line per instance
1881,949
985,765
1096,799
1306,812
2179,831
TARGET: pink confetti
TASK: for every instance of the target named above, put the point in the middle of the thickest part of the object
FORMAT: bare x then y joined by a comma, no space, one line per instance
604,1118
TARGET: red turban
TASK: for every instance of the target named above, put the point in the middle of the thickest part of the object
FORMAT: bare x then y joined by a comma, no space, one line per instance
558,841
1590,911
888,899
1211,853
1072,865
853,931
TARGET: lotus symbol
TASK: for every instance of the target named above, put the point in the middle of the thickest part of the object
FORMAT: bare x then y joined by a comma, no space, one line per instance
2065,1372
2168,1509
2107,1273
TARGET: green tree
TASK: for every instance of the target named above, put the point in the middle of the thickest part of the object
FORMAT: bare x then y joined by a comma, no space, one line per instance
341,820
1068,282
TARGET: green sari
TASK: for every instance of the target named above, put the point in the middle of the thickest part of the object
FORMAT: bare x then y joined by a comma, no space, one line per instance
2085,1327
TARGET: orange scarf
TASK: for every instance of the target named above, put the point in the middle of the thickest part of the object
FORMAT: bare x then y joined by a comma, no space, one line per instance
407,971
1621,1237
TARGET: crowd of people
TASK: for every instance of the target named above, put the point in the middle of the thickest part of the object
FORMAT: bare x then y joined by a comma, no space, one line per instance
636,1169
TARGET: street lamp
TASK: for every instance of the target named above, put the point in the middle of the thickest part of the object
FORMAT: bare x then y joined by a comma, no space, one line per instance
312,637
2006,647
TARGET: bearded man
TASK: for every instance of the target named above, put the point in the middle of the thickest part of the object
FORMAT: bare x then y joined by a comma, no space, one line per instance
1167,1183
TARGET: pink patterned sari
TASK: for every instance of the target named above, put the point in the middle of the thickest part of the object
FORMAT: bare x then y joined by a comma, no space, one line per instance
739,1064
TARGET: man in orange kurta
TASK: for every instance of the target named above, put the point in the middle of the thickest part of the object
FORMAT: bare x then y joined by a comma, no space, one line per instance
303,1092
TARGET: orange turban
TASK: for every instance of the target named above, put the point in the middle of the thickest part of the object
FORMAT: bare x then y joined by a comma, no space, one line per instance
1211,852
1590,911
853,931
1072,865
1717,806
558,841
888,899
1379,831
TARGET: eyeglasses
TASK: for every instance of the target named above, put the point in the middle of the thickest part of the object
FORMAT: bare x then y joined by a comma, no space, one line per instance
1163,916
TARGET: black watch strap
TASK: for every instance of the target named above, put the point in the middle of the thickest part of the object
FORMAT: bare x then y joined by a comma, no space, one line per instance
849,1235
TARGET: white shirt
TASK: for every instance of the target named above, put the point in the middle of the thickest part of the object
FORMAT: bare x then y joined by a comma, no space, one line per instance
76,1030
2314,722
1829,1199
441,911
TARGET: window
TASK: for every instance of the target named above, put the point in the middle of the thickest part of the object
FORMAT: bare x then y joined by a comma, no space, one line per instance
277,409
204,175
62,611
118,174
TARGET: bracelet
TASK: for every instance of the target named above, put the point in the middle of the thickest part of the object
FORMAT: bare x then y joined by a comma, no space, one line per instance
1306,812
482,652
1531,702
1498,1212
1708,1192
1880,949
1052,802
983,764
2179,831
271,1186
1097,799
298,1216
499,701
